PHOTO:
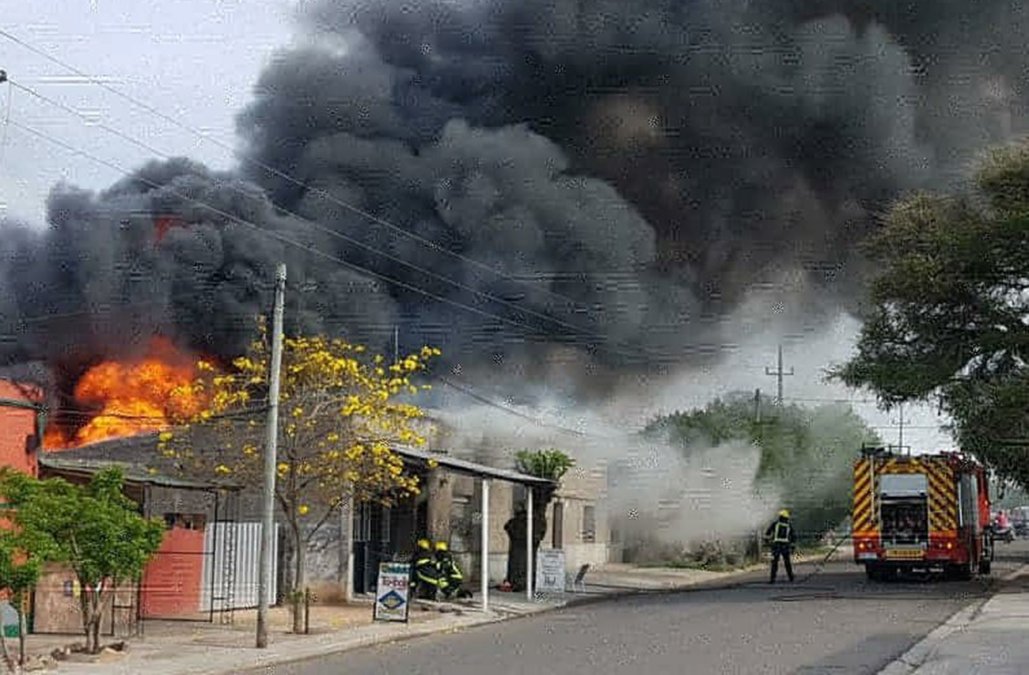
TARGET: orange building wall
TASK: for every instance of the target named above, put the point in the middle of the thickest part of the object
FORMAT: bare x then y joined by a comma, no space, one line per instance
173,578
17,425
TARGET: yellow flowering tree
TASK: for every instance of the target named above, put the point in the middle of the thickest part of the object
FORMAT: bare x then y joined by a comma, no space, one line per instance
341,413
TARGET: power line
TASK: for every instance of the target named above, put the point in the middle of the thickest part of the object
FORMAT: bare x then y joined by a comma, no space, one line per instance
114,307
269,233
7,115
277,172
317,226
591,340
511,411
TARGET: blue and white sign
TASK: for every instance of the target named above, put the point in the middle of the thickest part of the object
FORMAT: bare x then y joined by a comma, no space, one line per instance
392,592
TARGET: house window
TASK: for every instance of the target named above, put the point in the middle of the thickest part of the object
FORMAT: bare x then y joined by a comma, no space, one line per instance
589,523
363,522
559,522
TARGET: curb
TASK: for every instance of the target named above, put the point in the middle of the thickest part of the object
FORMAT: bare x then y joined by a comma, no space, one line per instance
329,648
915,657
358,643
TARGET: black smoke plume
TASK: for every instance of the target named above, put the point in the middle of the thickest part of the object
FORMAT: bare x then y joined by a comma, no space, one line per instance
630,169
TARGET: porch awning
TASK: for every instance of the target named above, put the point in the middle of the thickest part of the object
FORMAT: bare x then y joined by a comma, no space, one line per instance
469,468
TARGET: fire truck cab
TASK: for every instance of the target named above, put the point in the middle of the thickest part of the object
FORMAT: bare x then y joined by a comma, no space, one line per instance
921,513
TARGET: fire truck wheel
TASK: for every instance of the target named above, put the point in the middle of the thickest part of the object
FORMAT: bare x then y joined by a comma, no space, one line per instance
875,572
960,572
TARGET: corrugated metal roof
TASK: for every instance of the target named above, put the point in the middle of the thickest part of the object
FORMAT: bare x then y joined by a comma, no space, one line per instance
472,468
133,473
124,452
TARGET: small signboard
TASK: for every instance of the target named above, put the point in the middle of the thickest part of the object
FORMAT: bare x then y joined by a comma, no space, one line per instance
550,571
391,593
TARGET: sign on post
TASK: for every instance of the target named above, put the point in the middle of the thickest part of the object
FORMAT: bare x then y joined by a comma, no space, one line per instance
550,571
391,593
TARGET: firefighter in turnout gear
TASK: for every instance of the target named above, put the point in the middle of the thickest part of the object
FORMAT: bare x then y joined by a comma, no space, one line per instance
782,538
450,572
427,578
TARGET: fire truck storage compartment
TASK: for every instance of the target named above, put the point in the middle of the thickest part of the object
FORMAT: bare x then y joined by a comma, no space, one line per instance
903,508
968,507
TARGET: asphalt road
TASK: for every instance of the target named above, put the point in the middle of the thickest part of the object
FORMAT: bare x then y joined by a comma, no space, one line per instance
835,622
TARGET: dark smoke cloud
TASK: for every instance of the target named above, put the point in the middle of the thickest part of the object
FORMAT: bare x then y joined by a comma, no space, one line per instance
99,283
631,169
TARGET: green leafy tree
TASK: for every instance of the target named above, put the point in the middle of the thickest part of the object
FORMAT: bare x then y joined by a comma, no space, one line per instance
94,529
20,566
807,455
551,464
947,316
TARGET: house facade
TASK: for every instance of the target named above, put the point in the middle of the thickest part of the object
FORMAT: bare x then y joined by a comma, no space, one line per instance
188,577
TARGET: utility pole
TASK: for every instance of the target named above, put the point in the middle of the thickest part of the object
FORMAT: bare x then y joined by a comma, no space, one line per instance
779,374
396,344
900,427
757,406
270,450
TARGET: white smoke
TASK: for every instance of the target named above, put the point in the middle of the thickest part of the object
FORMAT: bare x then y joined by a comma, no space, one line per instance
671,494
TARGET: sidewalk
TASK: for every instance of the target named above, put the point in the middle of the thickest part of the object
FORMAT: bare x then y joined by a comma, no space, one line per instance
988,637
170,648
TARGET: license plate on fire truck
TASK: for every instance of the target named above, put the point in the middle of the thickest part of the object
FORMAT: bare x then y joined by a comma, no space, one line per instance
906,553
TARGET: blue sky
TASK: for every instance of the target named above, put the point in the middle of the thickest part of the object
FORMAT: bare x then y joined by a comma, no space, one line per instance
196,60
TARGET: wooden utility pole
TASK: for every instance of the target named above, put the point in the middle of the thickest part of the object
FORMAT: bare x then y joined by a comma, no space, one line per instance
757,406
264,578
779,374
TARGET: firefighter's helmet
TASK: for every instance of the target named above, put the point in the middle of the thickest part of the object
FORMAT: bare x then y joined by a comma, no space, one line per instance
441,546
784,513
424,544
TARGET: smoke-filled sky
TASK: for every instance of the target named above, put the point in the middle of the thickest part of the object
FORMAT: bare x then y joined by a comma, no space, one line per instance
615,177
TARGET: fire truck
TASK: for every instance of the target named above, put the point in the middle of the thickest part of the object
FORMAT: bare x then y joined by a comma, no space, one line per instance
921,513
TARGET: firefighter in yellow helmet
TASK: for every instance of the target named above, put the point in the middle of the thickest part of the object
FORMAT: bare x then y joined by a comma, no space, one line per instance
450,572
782,537
427,579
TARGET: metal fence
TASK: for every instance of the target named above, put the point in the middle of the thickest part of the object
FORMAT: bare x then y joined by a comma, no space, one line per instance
230,574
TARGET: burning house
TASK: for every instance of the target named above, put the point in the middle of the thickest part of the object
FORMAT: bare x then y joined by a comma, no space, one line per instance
562,212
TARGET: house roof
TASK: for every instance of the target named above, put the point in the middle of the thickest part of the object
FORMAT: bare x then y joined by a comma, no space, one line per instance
134,473
134,452
469,468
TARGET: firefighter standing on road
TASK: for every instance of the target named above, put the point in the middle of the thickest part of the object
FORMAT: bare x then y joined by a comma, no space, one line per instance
783,538
428,580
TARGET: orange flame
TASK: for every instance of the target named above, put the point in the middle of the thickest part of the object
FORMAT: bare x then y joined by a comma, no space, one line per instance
133,397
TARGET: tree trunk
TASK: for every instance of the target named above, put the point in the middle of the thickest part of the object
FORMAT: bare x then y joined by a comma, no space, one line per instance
299,577
12,667
23,628
96,634
84,607
91,615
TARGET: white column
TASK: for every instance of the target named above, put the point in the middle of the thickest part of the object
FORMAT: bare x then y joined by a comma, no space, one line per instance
529,577
484,571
